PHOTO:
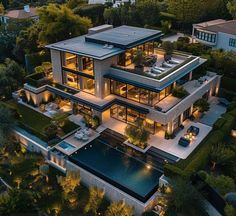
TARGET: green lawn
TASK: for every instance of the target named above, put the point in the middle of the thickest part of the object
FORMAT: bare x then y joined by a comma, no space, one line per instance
30,117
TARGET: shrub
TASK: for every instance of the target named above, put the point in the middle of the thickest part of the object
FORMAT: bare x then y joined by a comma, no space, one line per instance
179,92
219,123
202,105
223,184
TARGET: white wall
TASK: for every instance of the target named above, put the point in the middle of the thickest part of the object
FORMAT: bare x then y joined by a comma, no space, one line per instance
56,65
223,41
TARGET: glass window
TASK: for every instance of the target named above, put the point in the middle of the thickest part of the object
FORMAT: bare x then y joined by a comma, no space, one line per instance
232,42
132,115
154,98
133,93
71,79
88,85
150,125
144,96
118,88
70,61
162,94
87,65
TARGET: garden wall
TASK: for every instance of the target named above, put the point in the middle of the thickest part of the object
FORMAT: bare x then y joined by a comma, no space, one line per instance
111,192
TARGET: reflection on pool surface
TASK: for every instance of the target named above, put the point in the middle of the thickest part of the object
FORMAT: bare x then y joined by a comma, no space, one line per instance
66,146
134,177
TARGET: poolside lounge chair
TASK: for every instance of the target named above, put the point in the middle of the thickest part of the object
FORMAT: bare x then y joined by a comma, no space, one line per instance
194,130
184,142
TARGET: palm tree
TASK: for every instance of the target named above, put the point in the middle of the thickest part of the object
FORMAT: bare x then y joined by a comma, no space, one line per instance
7,124
220,155
185,200
95,199
118,209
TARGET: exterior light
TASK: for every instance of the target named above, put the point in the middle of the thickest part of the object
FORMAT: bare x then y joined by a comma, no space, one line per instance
148,166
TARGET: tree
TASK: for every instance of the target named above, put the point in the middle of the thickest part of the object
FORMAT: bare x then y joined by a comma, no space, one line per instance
59,23
185,199
139,58
44,170
118,209
7,124
8,34
95,199
18,201
229,210
2,9
220,155
137,133
231,6
111,15
223,184
202,105
69,182
75,3
27,41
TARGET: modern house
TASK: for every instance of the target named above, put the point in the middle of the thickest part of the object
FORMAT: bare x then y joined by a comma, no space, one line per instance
218,34
119,75
26,13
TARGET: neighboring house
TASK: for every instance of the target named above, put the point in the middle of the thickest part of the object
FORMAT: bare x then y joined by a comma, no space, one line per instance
26,13
115,2
219,34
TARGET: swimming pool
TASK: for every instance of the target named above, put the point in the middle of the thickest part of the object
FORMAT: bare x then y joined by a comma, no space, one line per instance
66,146
132,176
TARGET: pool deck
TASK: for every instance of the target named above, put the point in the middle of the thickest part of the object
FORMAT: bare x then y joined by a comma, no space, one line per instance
72,140
170,146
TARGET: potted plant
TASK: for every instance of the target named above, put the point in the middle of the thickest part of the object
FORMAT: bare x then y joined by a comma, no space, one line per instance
137,134
138,60
168,47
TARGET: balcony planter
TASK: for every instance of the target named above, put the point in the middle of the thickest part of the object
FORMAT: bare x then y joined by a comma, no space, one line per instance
143,150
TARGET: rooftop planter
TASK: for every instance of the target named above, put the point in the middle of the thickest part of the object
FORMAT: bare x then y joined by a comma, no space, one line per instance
37,79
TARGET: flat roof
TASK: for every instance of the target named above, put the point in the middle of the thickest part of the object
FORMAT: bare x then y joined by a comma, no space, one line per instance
124,36
79,46
21,14
228,27
210,23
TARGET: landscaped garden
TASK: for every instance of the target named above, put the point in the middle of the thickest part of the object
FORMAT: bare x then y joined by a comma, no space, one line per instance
214,159
39,124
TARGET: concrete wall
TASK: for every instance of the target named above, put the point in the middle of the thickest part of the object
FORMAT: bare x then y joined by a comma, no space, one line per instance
30,144
101,68
56,65
111,192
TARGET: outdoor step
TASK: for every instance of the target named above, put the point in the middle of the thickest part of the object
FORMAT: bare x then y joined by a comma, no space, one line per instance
163,155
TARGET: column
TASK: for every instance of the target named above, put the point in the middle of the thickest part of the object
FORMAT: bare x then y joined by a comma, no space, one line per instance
190,76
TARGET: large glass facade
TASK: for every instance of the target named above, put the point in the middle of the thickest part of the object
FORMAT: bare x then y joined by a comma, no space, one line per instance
126,59
77,81
137,94
129,116
77,63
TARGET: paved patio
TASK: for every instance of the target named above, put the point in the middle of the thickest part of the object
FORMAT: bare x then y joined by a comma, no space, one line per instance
216,110
170,146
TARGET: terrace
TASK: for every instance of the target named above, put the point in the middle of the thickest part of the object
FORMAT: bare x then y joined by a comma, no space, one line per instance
156,67
158,141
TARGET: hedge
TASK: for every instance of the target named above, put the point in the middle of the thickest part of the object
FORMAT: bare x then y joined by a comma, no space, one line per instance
199,158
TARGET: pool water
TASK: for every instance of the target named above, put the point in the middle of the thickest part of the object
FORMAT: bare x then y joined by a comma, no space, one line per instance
133,176
66,146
